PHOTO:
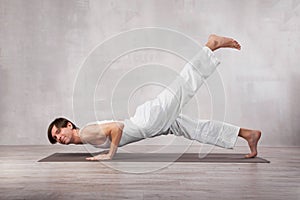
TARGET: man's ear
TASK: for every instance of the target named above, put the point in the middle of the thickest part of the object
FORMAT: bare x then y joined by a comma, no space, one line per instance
69,125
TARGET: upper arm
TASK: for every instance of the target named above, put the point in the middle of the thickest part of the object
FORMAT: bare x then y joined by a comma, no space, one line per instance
115,133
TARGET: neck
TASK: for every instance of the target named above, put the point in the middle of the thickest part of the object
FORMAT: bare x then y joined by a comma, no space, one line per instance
76,137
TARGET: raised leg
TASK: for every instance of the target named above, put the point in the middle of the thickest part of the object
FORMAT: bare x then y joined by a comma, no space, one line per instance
156,116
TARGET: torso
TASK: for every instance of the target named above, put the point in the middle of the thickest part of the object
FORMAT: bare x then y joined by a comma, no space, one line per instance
97,133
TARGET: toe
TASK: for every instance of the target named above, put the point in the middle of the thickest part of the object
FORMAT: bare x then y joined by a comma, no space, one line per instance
237,45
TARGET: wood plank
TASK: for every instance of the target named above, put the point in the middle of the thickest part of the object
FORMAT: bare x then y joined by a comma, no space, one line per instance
22,177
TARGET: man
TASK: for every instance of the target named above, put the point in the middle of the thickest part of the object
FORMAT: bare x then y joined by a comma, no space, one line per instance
161,116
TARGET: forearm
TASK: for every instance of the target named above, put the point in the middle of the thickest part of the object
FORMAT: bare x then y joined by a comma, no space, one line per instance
115,136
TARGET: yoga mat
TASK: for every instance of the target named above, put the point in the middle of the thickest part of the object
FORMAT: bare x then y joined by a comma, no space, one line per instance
157,157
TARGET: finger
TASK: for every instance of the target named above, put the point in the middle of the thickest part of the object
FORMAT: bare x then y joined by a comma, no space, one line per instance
91,158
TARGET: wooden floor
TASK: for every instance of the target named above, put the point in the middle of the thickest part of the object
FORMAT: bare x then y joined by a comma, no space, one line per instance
22,177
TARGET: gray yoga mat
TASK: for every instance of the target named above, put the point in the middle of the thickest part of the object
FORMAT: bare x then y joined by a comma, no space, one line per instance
157,157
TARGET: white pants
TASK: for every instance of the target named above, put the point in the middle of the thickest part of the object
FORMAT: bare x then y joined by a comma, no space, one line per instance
161,115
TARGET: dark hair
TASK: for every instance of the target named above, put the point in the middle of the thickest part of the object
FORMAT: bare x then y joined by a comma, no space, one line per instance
59,123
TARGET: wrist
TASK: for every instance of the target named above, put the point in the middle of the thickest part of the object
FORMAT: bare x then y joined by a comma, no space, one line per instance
110,155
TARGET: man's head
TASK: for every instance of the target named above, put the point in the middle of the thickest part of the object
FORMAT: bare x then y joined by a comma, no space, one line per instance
61,130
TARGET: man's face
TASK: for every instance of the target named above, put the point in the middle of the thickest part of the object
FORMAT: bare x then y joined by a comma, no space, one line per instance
63,135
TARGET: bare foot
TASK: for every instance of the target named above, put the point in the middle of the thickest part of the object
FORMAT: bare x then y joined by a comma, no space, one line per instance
252,138
215,42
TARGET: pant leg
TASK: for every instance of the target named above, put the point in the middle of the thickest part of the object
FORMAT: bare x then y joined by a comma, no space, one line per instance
206,131
156,116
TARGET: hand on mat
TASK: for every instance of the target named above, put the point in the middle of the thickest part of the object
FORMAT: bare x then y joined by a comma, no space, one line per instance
100,157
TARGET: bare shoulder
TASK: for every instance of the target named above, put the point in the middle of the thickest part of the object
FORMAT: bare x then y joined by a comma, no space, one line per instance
113,125
91,128
101,129
93,134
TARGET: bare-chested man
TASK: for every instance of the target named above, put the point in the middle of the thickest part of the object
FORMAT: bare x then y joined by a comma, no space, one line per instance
161,116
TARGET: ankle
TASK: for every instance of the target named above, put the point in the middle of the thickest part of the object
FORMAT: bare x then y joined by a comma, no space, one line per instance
212,45
244,133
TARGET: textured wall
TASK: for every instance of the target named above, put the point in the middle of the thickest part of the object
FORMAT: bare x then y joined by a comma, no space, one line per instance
44,43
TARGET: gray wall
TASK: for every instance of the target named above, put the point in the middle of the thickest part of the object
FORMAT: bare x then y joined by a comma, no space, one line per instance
44,43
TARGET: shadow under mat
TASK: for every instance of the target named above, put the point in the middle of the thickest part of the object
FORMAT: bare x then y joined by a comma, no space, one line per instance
157,157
